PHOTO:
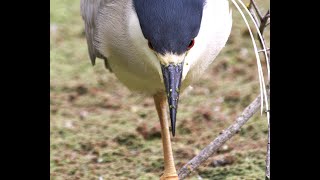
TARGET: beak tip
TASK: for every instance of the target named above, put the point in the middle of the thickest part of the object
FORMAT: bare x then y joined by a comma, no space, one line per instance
173,115
173,123
173,133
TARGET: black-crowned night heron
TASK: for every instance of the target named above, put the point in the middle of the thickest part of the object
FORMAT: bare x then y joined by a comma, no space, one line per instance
154,46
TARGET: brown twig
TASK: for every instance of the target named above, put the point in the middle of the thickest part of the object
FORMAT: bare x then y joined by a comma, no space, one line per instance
221,139
253,3
253,13
264,22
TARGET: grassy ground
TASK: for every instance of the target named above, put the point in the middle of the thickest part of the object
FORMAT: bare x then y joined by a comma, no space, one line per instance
99,129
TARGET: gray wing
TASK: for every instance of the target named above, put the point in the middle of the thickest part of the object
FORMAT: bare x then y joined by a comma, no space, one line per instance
89,12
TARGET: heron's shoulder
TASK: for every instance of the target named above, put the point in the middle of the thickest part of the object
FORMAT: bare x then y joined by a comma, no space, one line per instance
89,10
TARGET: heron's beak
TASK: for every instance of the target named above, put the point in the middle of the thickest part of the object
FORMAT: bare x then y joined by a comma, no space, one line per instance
172,80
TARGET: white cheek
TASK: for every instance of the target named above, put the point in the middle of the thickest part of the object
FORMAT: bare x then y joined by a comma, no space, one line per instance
140,45
193,56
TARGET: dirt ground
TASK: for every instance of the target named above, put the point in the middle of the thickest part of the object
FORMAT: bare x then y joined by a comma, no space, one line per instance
101,130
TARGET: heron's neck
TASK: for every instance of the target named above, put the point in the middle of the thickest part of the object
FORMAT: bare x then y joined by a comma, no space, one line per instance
140,44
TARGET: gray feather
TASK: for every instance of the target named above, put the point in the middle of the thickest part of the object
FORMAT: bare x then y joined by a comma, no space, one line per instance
89,12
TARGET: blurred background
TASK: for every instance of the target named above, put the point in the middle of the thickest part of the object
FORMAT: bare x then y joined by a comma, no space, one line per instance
100,130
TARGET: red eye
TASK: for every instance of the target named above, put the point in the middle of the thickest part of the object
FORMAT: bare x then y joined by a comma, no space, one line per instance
191,44
150,45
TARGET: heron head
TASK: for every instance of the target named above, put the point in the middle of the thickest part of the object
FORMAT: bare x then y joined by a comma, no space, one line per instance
170,26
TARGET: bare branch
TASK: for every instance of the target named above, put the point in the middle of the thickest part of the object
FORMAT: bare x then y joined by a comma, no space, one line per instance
249,111
253,3
264,22
221,139
254,15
